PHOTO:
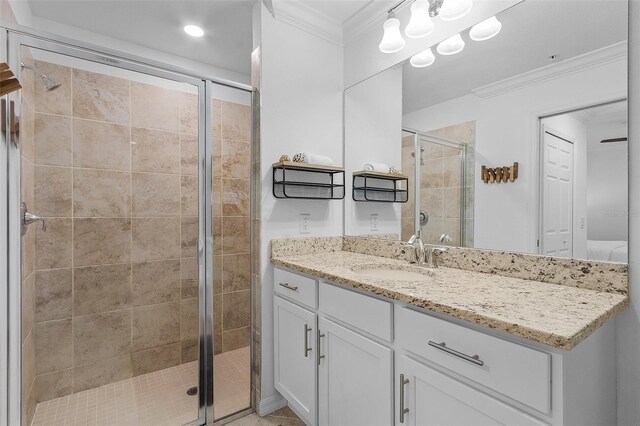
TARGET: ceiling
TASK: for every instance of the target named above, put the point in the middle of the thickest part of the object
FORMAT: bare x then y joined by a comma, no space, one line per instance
340,10
227,42
531,32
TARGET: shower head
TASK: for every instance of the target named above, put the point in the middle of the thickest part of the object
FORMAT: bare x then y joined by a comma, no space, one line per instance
49,83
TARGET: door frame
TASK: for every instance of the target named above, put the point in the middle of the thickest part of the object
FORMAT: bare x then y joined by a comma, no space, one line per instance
11,38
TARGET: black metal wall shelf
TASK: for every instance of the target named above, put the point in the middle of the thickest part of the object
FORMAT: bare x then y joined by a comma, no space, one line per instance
307,181
380,187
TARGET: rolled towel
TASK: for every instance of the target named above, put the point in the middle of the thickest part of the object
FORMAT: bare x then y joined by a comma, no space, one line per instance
376,167
312,158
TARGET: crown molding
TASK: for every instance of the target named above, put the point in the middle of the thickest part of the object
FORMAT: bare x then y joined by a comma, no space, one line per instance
597,58
584,115
305,18
370,16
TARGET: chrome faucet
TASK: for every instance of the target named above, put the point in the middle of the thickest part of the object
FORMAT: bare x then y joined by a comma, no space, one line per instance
431,252
416,243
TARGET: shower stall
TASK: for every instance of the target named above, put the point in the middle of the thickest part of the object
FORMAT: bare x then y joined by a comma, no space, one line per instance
129,245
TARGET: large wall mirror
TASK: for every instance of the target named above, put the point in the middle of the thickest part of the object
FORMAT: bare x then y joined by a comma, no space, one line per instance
515,143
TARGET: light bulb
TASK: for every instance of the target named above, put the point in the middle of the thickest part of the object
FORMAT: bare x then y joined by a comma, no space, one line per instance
392,40
420,24
485,30
193,30
423,59
455,9
451,46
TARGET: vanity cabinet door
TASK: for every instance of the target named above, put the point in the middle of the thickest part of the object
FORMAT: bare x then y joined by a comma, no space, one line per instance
432,398
355,377
295,357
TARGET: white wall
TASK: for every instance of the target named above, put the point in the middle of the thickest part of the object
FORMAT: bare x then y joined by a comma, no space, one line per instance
301,95
576,132
373,133
362,57
507,131
607,188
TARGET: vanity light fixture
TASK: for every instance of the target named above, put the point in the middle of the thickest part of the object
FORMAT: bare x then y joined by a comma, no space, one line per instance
423,59
455,9
193,30
451,46
486,29
420,23
392,40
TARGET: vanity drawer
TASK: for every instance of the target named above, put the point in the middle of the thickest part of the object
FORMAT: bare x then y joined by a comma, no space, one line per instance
296,287
366,313
516,371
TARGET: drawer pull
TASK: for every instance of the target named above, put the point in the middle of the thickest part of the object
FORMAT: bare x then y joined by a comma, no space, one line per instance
319,336
403,410
475,359
287,286
307,349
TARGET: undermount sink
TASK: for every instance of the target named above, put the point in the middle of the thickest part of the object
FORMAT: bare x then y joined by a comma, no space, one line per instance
393,272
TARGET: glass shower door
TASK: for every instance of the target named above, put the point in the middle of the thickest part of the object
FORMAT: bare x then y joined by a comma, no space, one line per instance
112,280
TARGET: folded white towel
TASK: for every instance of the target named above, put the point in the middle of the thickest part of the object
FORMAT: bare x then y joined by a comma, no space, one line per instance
312,158
376,167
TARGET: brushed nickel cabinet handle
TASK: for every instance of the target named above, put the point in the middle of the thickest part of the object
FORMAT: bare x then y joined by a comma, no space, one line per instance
320,336
403,410
307,349
288,287
475,359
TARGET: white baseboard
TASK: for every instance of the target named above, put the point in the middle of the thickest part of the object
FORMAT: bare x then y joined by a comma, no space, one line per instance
271,404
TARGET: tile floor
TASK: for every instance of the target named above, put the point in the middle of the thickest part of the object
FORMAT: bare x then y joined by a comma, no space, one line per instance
157,398
282,417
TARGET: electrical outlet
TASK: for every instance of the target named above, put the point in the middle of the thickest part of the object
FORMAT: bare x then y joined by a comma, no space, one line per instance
374,222
304,223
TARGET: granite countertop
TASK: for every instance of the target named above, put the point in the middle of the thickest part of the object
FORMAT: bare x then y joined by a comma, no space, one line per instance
553,314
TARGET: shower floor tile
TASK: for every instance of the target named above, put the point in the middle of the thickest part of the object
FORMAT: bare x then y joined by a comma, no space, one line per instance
158,398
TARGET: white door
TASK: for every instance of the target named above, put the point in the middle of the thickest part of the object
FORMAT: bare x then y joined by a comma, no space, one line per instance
557,196
435,399
355,377
295,357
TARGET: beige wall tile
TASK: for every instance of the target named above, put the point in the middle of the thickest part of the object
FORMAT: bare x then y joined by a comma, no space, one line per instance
156,282
189,277
53,294
52,191
155,359
451,205
236,339
155,194
451,226
54,385
155,325
189,319
189,350
155,151
431,174
52,140
236,159
189,195
432,150
189,154
101,336
217,157
236,121
407,228
235,197
463,132
217,324
54,349
236,310
188,113
27,182
217,274
28,367
101,145
53,248
156,239
217,118
216,198
235,235
101,373
101,288
100,97
154,107
189,236
452,171
101,241
217,235
432,200
433,230
101,193
56,101
236,273
28,305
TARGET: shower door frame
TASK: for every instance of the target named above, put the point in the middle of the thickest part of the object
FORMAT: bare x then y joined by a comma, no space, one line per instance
12,37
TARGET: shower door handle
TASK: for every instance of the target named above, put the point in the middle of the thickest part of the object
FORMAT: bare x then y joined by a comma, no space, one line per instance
28,219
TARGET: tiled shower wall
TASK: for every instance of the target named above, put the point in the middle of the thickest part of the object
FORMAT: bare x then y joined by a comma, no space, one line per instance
116,281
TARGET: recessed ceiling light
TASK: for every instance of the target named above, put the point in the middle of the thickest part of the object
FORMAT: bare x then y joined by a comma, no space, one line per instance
193,30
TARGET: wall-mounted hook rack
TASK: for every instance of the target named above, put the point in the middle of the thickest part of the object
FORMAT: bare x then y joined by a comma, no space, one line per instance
499,174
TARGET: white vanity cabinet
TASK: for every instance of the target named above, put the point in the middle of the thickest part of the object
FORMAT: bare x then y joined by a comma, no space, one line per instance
346,357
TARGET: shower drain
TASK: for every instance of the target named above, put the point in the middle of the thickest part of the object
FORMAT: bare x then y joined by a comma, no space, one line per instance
192,391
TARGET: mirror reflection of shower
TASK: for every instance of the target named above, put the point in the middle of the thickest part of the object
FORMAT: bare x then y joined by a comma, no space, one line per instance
49,83
413,154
